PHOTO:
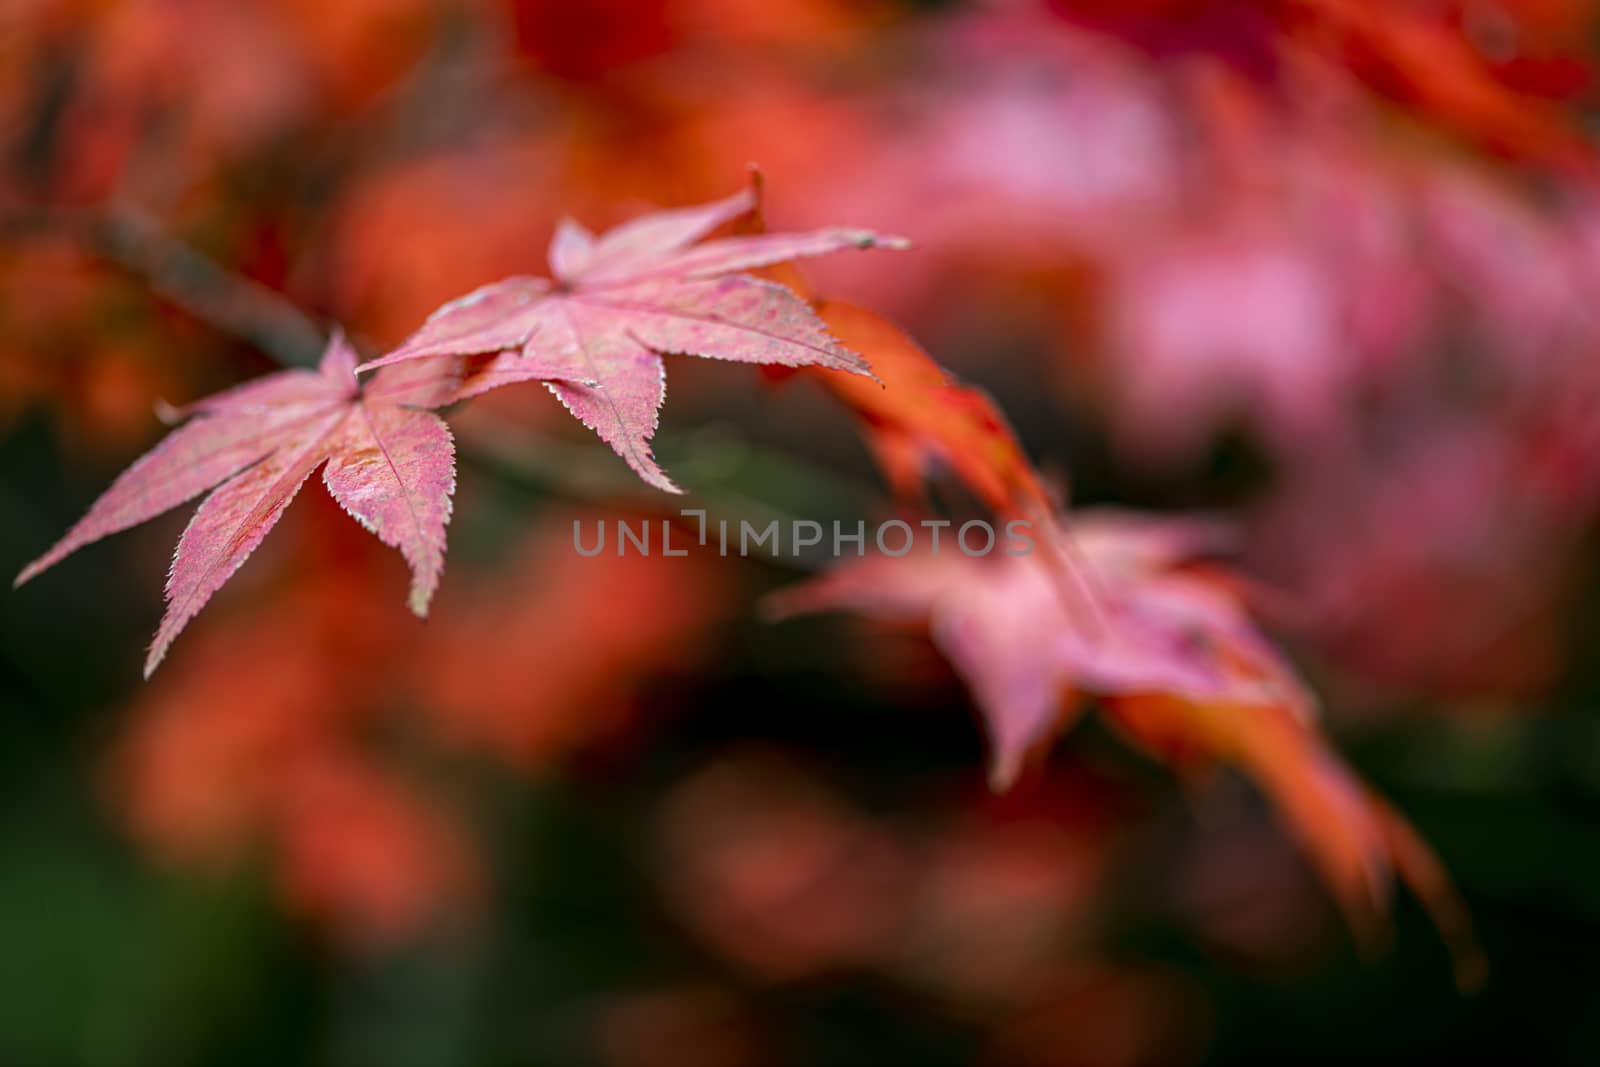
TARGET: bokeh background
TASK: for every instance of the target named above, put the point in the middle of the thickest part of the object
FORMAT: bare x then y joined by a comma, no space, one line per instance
1328,266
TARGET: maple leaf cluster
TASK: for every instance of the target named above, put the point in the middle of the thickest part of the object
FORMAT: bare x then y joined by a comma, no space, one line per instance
594,336
1099,612
1356,241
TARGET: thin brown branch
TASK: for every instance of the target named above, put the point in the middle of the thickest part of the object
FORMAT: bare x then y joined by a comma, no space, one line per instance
230,303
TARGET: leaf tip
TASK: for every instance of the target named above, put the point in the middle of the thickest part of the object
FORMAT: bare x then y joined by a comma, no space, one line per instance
868,239
36,568
1003,772
658,479
856,364
756,186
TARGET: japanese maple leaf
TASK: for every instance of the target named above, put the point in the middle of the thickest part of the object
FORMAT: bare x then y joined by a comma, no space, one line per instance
916,417
1015,640
596,332
920,416
392,467
1179,668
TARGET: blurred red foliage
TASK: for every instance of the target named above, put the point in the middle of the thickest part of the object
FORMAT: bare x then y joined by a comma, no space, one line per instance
1358,240
499,674
990,908
292,725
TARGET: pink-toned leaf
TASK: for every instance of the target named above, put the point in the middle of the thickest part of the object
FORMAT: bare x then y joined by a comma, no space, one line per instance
1005,628
732,254
625,298
419,383
501,369
232,521
500,316
393,470
1181,672
623,412
338,364
644,239
734,317
191,459
391,465
274,393
571,250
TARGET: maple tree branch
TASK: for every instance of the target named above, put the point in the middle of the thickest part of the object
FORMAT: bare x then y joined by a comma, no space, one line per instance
232,304
245,309
229,303
589,474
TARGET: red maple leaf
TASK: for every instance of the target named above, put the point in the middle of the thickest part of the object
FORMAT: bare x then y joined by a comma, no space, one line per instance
921,416
392,467
1179,668
595,333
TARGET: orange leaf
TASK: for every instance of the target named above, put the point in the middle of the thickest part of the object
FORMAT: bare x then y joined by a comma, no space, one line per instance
919,416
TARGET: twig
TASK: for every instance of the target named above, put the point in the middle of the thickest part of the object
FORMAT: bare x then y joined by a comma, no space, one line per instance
235,305
251,312
590,474
225,301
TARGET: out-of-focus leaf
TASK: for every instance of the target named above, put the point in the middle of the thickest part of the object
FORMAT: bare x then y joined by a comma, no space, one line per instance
1179,667
918,415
